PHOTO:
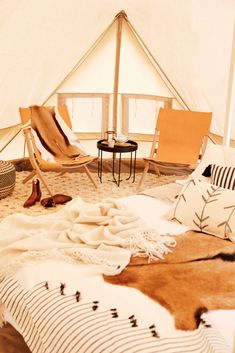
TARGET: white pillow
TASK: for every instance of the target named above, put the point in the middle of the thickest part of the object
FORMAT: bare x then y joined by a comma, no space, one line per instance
206,208
214,154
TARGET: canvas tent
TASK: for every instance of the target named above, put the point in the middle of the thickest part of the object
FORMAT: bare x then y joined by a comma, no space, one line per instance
54,51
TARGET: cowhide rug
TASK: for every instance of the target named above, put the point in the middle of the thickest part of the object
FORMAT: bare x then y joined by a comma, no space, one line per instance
199,275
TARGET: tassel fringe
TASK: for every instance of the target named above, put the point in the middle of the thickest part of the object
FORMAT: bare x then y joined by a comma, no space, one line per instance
149,243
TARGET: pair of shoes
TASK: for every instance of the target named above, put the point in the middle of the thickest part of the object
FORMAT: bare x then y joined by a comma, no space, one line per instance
55,199
35,194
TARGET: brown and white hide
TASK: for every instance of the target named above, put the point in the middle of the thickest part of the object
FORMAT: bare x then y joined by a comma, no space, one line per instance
199,275
51,135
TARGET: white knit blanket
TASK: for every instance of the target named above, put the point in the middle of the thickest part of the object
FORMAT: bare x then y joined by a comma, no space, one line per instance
105,234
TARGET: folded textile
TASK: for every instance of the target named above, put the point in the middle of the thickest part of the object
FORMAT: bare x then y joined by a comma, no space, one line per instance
106,234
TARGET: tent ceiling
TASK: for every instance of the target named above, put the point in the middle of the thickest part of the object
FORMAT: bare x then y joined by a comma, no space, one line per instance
41,41
136,74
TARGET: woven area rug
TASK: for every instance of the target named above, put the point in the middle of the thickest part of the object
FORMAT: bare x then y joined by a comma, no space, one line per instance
75,184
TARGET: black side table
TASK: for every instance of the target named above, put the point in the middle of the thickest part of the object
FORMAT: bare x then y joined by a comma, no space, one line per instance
119,148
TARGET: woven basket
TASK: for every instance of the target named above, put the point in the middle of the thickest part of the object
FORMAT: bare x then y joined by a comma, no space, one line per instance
7,178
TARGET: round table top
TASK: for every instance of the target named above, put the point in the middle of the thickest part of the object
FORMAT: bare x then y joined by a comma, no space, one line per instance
129,146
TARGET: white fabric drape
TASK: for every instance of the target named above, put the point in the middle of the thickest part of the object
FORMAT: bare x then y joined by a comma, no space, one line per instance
106,234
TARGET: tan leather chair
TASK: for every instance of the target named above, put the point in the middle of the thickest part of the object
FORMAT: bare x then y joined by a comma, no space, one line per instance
39,164
180,137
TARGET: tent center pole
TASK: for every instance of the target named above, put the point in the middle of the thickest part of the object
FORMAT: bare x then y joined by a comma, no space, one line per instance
120,16
230,105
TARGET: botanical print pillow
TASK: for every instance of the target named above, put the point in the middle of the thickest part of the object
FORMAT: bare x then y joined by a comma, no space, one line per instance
206,208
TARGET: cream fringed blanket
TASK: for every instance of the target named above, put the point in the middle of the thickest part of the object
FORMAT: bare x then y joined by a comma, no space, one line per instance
105,234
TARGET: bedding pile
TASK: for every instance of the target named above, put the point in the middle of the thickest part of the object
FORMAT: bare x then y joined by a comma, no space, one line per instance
39,295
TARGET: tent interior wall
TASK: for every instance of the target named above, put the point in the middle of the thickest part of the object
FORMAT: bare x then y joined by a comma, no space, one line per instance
115,71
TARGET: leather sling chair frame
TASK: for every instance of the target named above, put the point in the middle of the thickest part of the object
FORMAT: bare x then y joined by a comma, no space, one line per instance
180,138
35,157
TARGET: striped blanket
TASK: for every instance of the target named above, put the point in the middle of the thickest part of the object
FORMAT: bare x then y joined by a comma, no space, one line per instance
52,321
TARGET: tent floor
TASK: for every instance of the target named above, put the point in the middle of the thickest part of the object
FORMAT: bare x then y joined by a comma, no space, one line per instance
76,185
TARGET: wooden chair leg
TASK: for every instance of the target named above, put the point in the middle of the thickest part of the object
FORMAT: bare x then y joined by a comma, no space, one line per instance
90,177
31,175
41,177
157,170
38,172
146,168
44,182
62,173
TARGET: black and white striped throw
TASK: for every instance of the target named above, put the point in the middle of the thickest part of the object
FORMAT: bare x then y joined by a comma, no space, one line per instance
53,322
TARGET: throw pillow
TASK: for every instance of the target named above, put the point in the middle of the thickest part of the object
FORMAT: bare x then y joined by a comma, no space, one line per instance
223,176
206,208
215,154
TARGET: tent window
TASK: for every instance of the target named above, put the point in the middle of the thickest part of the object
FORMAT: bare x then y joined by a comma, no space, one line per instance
137,108
88,113
143,110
